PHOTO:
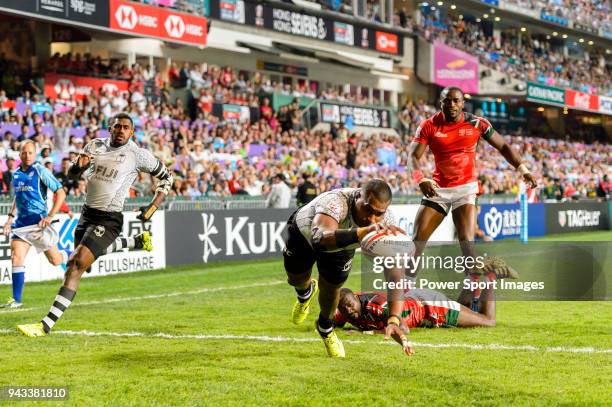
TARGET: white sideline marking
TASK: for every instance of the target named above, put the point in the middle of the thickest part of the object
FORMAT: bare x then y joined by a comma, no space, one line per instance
155,296
263,338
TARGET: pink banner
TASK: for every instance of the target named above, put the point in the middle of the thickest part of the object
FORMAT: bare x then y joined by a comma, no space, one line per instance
455,68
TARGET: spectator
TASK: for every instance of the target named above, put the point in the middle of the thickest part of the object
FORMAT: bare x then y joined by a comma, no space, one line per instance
280,193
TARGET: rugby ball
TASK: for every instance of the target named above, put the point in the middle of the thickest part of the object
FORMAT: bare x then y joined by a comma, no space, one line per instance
384,244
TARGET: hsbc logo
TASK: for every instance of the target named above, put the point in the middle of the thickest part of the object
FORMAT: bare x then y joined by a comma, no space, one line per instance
175,26
64,88
386,42
126,17
110,88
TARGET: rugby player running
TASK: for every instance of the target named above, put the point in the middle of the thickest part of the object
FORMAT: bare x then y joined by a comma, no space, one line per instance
110,166
452,136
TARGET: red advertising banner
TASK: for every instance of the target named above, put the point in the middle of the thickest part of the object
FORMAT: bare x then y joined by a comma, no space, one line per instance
580,100
72,87
157,22
386,42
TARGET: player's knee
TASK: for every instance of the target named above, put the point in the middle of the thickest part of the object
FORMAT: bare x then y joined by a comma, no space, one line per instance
76,264
56,260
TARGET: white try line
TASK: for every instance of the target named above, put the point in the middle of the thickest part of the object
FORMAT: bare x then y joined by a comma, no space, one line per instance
264,338
156,296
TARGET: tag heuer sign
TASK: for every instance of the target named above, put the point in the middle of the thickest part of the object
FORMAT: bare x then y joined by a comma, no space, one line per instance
545,94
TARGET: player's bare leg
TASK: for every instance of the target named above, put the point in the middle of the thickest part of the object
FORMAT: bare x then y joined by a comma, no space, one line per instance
464,218
55,256
329,296
486,315
80,260
426,222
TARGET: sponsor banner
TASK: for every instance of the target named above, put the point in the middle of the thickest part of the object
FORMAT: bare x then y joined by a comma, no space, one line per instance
406,214
455,68
577,217
286,19
60,86
386,42
581,101
359,115
92,12
220,235
545,94
157,22
605,105
554,19
282,68
39,269
236,113
501,221
491,2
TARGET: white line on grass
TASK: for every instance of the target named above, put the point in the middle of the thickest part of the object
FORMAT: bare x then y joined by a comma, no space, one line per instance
263,338
155,296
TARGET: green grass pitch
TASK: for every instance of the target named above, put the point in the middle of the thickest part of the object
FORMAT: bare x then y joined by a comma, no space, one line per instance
221,335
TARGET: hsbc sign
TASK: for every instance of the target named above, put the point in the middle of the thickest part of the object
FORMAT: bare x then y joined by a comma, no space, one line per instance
71,87
126,17
157,22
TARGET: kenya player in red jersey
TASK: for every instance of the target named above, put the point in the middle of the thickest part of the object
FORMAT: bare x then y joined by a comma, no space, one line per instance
452,136
421,309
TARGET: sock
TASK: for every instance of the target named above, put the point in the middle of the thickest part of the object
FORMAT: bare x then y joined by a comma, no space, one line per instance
121,243
325,326
62,301
304,295
18,282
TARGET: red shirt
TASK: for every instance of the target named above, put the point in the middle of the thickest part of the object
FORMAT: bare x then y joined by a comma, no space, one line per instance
453,146
375,312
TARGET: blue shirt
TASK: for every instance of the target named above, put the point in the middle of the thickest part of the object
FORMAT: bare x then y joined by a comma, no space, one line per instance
30,188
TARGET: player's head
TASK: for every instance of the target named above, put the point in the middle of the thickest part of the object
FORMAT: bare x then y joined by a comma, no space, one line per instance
348,305
122,129
451,102
27,153
372,202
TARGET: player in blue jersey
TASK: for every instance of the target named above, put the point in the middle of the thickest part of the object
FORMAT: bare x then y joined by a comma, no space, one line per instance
31,181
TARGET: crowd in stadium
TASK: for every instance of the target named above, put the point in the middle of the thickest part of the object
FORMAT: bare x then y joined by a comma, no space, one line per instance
211,157
535,59
588,13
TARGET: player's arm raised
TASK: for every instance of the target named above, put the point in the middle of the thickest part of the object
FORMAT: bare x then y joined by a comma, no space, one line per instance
80,164
499,143
427,185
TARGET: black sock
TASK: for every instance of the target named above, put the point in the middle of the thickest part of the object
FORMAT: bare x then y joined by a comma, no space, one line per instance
325,326
304,295
62,301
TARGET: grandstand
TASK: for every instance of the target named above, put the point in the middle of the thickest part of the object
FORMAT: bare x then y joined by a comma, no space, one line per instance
230,94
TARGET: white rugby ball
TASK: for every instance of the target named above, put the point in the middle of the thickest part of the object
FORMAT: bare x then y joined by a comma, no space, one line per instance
383,244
